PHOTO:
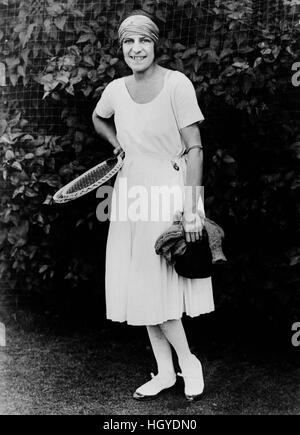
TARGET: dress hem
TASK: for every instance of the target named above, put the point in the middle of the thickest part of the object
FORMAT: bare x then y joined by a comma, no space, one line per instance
160,322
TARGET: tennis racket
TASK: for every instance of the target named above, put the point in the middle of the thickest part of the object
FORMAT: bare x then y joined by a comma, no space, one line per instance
90,179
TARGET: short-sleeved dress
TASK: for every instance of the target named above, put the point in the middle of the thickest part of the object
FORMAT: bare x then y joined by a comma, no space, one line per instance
141,287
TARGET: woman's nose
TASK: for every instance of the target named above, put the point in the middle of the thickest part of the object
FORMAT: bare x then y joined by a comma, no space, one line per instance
136,47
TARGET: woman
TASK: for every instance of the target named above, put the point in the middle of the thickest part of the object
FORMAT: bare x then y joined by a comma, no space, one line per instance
156,118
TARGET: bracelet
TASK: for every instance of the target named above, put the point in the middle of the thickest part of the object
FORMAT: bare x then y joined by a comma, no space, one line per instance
194,146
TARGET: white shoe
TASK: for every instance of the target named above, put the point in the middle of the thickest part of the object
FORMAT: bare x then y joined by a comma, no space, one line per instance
193,381
151,389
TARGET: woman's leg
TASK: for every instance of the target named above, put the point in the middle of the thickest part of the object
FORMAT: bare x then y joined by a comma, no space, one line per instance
190,365
161,349
166,376
174,332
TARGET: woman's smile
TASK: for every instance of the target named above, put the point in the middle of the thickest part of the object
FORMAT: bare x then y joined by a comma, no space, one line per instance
138,58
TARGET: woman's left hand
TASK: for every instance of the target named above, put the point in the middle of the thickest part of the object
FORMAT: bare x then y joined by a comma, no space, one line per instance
193,224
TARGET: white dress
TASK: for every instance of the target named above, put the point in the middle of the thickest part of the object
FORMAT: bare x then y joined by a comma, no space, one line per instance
141,288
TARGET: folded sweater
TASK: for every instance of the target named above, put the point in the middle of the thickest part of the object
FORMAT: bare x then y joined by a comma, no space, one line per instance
171,243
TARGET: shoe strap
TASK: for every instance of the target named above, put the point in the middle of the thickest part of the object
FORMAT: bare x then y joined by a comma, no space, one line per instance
188,377
158,378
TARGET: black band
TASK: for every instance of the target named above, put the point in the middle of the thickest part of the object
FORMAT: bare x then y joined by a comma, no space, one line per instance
194,146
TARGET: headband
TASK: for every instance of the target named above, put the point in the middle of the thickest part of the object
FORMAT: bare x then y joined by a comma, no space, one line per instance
138,24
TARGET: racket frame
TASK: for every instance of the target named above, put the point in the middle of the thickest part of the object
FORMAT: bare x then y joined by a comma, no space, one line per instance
62,195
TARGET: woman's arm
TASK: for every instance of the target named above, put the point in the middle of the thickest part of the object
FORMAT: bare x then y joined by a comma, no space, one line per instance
106,129
191,222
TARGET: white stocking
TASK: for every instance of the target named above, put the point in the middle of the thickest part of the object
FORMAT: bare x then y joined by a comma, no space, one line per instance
162,350
166,376
175,334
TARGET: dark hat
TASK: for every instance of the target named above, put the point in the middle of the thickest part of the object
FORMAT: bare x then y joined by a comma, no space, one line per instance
196,262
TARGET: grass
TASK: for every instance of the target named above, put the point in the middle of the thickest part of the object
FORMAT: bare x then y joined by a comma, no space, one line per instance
96,373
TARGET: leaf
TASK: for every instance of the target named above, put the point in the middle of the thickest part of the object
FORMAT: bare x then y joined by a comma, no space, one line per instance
245,50
17,165
29,156
6,139
178,47
189,52
51,180
12,62
43,268
48,200
76,79
71,121
225,52
241,65
87,90
30,193
228,159
60,22
25,54
217,25
9,155
181,3
55,9
161,16
2,74
77,13
36,50
46,95
15,136
18,191
111,72
63,77
26,137
257,62
19,27
47,25
295,147
18,232
247,84
85,38
48,78
113,61
70,89
3,125
28,33
87,59
21,71
3,235
196,64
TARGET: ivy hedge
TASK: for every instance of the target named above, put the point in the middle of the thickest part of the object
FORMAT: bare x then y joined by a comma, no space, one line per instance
240,58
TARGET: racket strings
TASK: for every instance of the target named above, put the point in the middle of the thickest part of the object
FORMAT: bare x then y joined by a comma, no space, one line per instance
91,177
89,180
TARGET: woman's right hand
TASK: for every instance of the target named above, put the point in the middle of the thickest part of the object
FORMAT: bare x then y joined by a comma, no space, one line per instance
193,224
118,149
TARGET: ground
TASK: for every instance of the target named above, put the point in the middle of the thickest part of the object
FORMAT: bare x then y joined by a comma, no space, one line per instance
96,373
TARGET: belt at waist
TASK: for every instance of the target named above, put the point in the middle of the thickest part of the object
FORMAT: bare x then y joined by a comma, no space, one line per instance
178,162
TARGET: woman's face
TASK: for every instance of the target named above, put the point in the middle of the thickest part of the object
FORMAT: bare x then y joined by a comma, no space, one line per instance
138,52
